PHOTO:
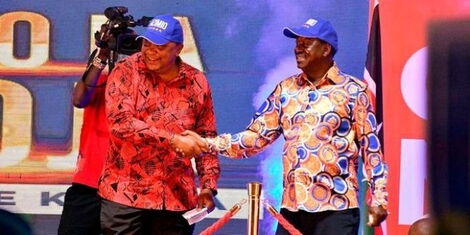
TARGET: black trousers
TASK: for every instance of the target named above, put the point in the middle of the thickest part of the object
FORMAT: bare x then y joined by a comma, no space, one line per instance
81,212
344,222
117,219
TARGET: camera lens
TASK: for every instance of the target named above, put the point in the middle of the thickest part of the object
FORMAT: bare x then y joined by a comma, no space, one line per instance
126,44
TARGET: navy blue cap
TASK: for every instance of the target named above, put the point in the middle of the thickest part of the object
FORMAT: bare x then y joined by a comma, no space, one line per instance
163,29
315,28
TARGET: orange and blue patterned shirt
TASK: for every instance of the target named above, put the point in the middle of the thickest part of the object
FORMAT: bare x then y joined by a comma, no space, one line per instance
141,169
326,128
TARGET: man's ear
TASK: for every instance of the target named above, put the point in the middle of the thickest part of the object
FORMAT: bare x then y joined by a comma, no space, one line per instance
327,49
180,48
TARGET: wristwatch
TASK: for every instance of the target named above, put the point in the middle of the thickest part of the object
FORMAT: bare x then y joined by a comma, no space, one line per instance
214,192
100,64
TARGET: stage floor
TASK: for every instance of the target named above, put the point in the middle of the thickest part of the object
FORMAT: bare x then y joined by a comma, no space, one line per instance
47,225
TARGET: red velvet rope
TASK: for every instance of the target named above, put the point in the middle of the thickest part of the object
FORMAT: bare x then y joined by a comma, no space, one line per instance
222,221
218,224
282,221
285,224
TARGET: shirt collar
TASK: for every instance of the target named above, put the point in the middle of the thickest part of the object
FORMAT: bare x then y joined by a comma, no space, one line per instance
332,75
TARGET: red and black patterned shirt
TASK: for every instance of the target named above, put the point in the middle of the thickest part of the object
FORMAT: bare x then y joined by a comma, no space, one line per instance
143,112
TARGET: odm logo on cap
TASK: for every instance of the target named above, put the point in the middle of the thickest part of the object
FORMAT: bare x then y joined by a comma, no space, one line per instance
310,23
158,24
163,29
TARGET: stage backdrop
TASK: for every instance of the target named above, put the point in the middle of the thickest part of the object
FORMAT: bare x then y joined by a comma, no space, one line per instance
238,44
404,57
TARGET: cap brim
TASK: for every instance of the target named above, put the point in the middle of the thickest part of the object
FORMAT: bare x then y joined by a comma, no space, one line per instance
296,32
154,38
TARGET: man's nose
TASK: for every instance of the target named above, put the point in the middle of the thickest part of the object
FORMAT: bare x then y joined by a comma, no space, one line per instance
298,49
153,51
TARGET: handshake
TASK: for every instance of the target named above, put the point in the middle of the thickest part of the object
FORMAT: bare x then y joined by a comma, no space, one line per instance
189,143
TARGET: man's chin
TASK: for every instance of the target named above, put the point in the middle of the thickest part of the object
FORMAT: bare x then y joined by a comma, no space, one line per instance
153,67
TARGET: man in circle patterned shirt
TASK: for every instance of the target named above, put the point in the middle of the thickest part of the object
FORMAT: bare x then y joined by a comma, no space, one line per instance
327,120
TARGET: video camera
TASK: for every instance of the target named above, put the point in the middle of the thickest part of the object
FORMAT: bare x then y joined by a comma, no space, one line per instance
122,38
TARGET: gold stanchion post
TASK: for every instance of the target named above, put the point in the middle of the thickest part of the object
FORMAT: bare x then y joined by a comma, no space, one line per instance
254,192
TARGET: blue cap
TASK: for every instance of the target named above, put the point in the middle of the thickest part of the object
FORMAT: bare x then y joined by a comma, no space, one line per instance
163,29
315,28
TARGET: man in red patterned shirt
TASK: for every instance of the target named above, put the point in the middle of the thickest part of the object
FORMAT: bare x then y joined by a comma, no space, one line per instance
152,96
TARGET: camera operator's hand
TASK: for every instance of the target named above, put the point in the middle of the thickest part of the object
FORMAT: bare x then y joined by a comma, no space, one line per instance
85,88
102,39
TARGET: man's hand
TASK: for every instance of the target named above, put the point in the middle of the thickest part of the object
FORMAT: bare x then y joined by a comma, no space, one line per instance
191,133
201,142
188,145
377,214
206,199
101,39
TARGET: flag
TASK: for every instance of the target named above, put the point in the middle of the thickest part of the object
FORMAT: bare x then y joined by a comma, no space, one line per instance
373,77
373,69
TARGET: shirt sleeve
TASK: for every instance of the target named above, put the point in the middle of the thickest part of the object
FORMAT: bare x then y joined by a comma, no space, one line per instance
207,165
264,129
121,110
375,169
